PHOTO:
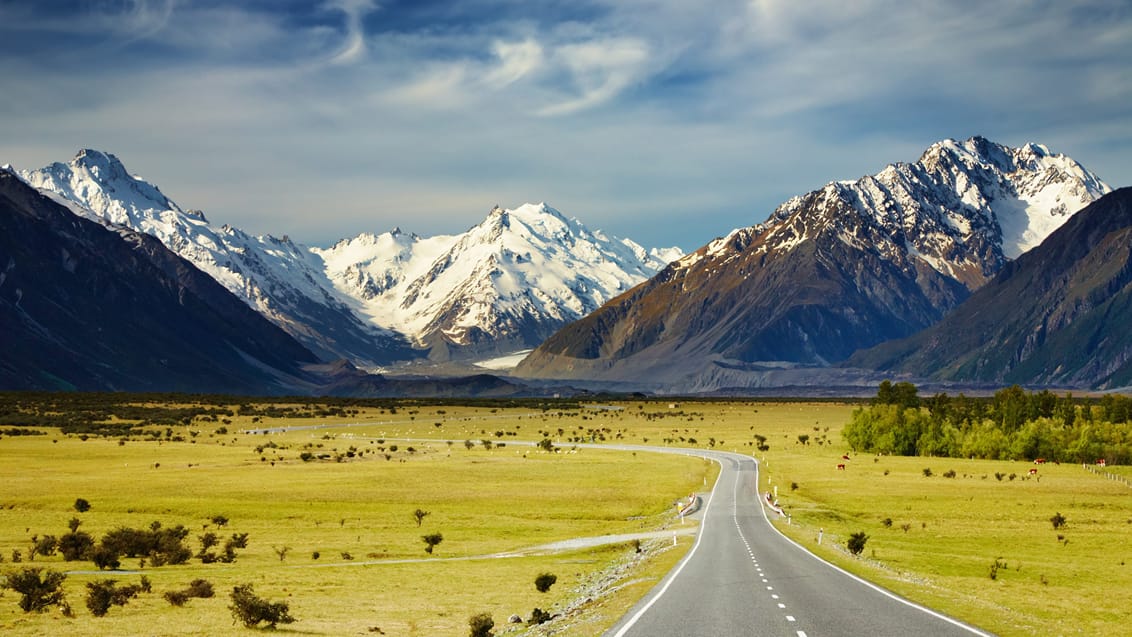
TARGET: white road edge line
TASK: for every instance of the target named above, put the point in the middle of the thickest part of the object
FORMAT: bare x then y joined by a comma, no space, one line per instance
879,589
687,558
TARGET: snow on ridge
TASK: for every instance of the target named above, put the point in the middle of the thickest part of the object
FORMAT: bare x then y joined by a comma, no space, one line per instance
515,266
527,263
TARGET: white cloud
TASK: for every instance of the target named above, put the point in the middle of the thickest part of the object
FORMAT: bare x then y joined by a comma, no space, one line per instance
599,71
354,48
516,61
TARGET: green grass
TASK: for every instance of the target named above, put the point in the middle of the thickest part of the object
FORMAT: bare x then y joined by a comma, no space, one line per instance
513,497
483,502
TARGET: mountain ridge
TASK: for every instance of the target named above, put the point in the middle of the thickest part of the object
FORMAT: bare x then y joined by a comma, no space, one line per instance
95,306
841,268
1052,317
345,301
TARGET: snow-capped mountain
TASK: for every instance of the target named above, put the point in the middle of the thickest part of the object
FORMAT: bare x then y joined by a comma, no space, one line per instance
1055,316
278,278
847,266
94,306
502,286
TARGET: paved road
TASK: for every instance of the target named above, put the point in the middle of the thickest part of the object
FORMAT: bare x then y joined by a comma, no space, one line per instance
743,577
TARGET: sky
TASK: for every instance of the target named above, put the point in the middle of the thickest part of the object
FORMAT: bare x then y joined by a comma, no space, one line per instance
668,122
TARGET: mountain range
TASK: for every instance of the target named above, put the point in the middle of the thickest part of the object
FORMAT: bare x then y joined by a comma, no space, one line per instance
977,239
1058,315
502,286
842,268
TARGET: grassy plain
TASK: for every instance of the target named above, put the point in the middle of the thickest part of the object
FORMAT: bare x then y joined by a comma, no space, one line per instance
945,532
372,575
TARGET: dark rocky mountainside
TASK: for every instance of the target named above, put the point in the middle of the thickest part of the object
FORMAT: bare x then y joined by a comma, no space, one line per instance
1060,314
89,307
842,268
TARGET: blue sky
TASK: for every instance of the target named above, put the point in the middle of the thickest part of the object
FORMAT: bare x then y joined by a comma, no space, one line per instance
670,122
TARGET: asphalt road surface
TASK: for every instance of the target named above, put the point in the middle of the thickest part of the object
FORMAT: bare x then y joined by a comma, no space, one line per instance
743,577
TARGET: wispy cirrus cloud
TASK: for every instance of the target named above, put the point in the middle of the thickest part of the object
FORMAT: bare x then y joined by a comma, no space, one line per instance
355,44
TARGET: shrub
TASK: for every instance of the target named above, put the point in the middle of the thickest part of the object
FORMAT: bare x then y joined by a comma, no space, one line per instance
102,594
887,522
544,581
997,564
856,542
927,472
44,546
431,540
38,589
950,473
1058,520
538,616
250,610
81,505
480,625
419,515
105,558
197,588
159,545
76,545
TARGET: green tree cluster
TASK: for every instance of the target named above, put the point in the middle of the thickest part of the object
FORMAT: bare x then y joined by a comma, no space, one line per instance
1013,425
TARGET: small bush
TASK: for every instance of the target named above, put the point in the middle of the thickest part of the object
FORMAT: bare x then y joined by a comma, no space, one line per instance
887,522
198,588
105,558
538,616
927,472
1058,520
544,581
102,594
250,610
950,473
480,625
38,589
431,540
81,505
856,542
995,566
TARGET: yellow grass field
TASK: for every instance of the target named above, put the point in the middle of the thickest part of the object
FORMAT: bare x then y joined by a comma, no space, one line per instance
933,539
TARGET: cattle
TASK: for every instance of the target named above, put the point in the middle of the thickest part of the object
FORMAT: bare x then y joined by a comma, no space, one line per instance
1039,460
846,457
1100,462
841,467
1033,472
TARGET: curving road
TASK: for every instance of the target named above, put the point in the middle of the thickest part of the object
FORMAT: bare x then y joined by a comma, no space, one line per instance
743,577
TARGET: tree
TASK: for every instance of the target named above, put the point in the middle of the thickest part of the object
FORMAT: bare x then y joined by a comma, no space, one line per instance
544,581
856,542
250,610
38,589
419,515
431,540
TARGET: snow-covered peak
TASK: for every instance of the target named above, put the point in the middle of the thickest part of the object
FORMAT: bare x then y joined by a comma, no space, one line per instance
100,182
516,276
959,193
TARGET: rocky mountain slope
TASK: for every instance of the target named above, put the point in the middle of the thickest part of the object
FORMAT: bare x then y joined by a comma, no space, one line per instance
847,266
502,286
90,307
1058,315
